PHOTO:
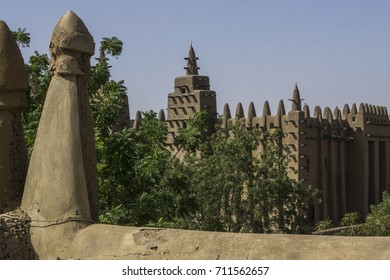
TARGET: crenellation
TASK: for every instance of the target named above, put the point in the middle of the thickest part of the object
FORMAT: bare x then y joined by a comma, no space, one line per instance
251,111
317,113
137,120
306,111
346,112
161,115
239,111
266,109
226,116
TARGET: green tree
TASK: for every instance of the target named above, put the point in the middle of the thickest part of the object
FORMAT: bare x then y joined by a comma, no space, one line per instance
238,190
378,221
22,37
139,181
39,79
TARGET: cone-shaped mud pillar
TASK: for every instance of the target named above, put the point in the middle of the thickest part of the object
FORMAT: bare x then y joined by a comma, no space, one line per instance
138,119
226,116
13,151
239,111
61,180
161,115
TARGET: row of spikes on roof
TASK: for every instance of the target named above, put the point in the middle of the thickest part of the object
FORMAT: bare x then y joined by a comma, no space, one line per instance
363,109
138,118
380,111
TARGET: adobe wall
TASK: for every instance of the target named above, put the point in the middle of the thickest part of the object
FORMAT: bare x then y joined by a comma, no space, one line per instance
15,237
108,242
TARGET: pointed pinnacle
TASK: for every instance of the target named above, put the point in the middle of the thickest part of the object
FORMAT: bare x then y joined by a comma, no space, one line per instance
363,108
13,76
226,112
137,121
266,109
226,115
161,115
251,111
71,33
192,66
346,111
336,113
281,109
328,114
354,109
296,99
306,111
317,112
239,111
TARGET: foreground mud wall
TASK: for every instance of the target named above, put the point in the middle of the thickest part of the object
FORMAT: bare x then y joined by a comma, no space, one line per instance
116,242
15,237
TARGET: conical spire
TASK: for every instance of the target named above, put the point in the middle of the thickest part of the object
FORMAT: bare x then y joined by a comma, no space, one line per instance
337,114
138,119
239,111
251,111
363,108
377,110
281,109
280,112
354,109
266,109
161,115
13,75
226,115
366,108
192,67
317,112
381,111
306,111
328,114
346,111
296,99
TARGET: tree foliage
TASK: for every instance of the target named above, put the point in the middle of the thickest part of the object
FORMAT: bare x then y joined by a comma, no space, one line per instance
39,79
239,190
22,37
378,221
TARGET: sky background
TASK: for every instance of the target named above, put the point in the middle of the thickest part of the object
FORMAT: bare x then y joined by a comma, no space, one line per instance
338,51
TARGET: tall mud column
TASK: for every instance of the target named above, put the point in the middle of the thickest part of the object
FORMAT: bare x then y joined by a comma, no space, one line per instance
61,181
13,151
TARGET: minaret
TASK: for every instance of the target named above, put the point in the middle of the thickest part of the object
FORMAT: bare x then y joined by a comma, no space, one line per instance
13,151
192,94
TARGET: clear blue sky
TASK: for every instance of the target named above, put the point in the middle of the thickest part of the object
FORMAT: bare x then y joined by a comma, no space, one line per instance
337,50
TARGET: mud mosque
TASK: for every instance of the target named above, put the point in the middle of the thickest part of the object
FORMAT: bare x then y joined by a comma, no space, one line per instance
49,207
329,147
